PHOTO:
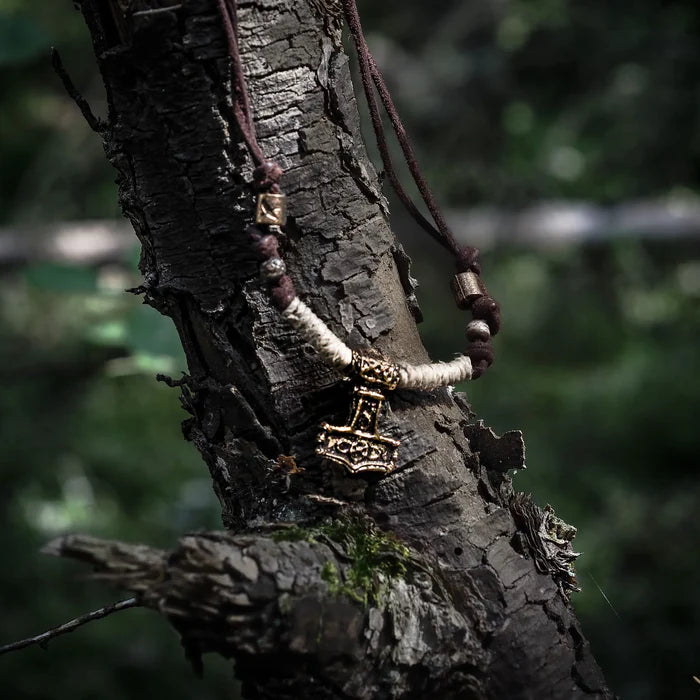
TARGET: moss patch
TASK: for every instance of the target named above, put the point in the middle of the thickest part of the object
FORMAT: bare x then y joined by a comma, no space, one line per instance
375,556
293,534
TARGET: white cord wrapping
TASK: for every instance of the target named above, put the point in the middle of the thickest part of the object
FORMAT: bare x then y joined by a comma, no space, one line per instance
437,374
337,354
312,329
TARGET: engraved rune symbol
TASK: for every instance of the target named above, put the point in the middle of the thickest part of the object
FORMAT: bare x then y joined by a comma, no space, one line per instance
271,209
358,445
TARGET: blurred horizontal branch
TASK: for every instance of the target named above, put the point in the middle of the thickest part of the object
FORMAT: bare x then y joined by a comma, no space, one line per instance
94,242
560,222
99,242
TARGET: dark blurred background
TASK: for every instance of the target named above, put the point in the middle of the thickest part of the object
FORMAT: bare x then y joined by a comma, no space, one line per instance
563,137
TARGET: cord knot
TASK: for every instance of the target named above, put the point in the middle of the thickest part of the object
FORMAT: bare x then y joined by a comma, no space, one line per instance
267,176
482,355
468,259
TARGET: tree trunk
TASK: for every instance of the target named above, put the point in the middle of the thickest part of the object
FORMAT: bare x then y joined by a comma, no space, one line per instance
434,579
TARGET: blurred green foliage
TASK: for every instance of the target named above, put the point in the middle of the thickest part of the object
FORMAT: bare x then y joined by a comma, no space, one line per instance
508,102
53,167
521,99
90,443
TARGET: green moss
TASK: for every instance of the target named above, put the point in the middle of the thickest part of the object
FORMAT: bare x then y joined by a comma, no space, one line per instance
375,556
293,534
329,573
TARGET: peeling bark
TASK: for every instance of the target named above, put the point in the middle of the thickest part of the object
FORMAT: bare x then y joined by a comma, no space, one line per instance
474,616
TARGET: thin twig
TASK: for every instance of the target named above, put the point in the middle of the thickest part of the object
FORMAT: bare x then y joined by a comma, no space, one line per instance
95,123
156,10
43,639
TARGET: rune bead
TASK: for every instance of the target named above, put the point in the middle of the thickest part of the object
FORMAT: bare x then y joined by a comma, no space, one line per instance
271,209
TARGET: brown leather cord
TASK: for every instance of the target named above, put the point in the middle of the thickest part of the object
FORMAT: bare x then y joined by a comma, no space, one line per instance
266,175
241,103
467,256
282,290
375,116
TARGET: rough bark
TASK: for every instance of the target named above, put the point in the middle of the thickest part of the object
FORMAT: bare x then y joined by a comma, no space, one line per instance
455,599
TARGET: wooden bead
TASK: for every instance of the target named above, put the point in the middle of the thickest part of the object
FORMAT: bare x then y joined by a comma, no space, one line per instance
478,330
467,288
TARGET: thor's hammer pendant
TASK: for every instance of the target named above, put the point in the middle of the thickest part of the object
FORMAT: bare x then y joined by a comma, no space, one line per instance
358,445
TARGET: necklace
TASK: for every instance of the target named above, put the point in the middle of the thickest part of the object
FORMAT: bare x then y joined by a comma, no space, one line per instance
358,445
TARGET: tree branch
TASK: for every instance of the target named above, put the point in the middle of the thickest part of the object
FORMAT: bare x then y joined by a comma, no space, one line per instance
96,124
329,597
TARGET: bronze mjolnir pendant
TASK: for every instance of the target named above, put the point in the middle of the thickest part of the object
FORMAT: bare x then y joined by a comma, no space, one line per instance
358,445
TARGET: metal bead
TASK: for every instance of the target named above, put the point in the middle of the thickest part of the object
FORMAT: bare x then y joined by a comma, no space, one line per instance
478,330
271,209
272,269
467,288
